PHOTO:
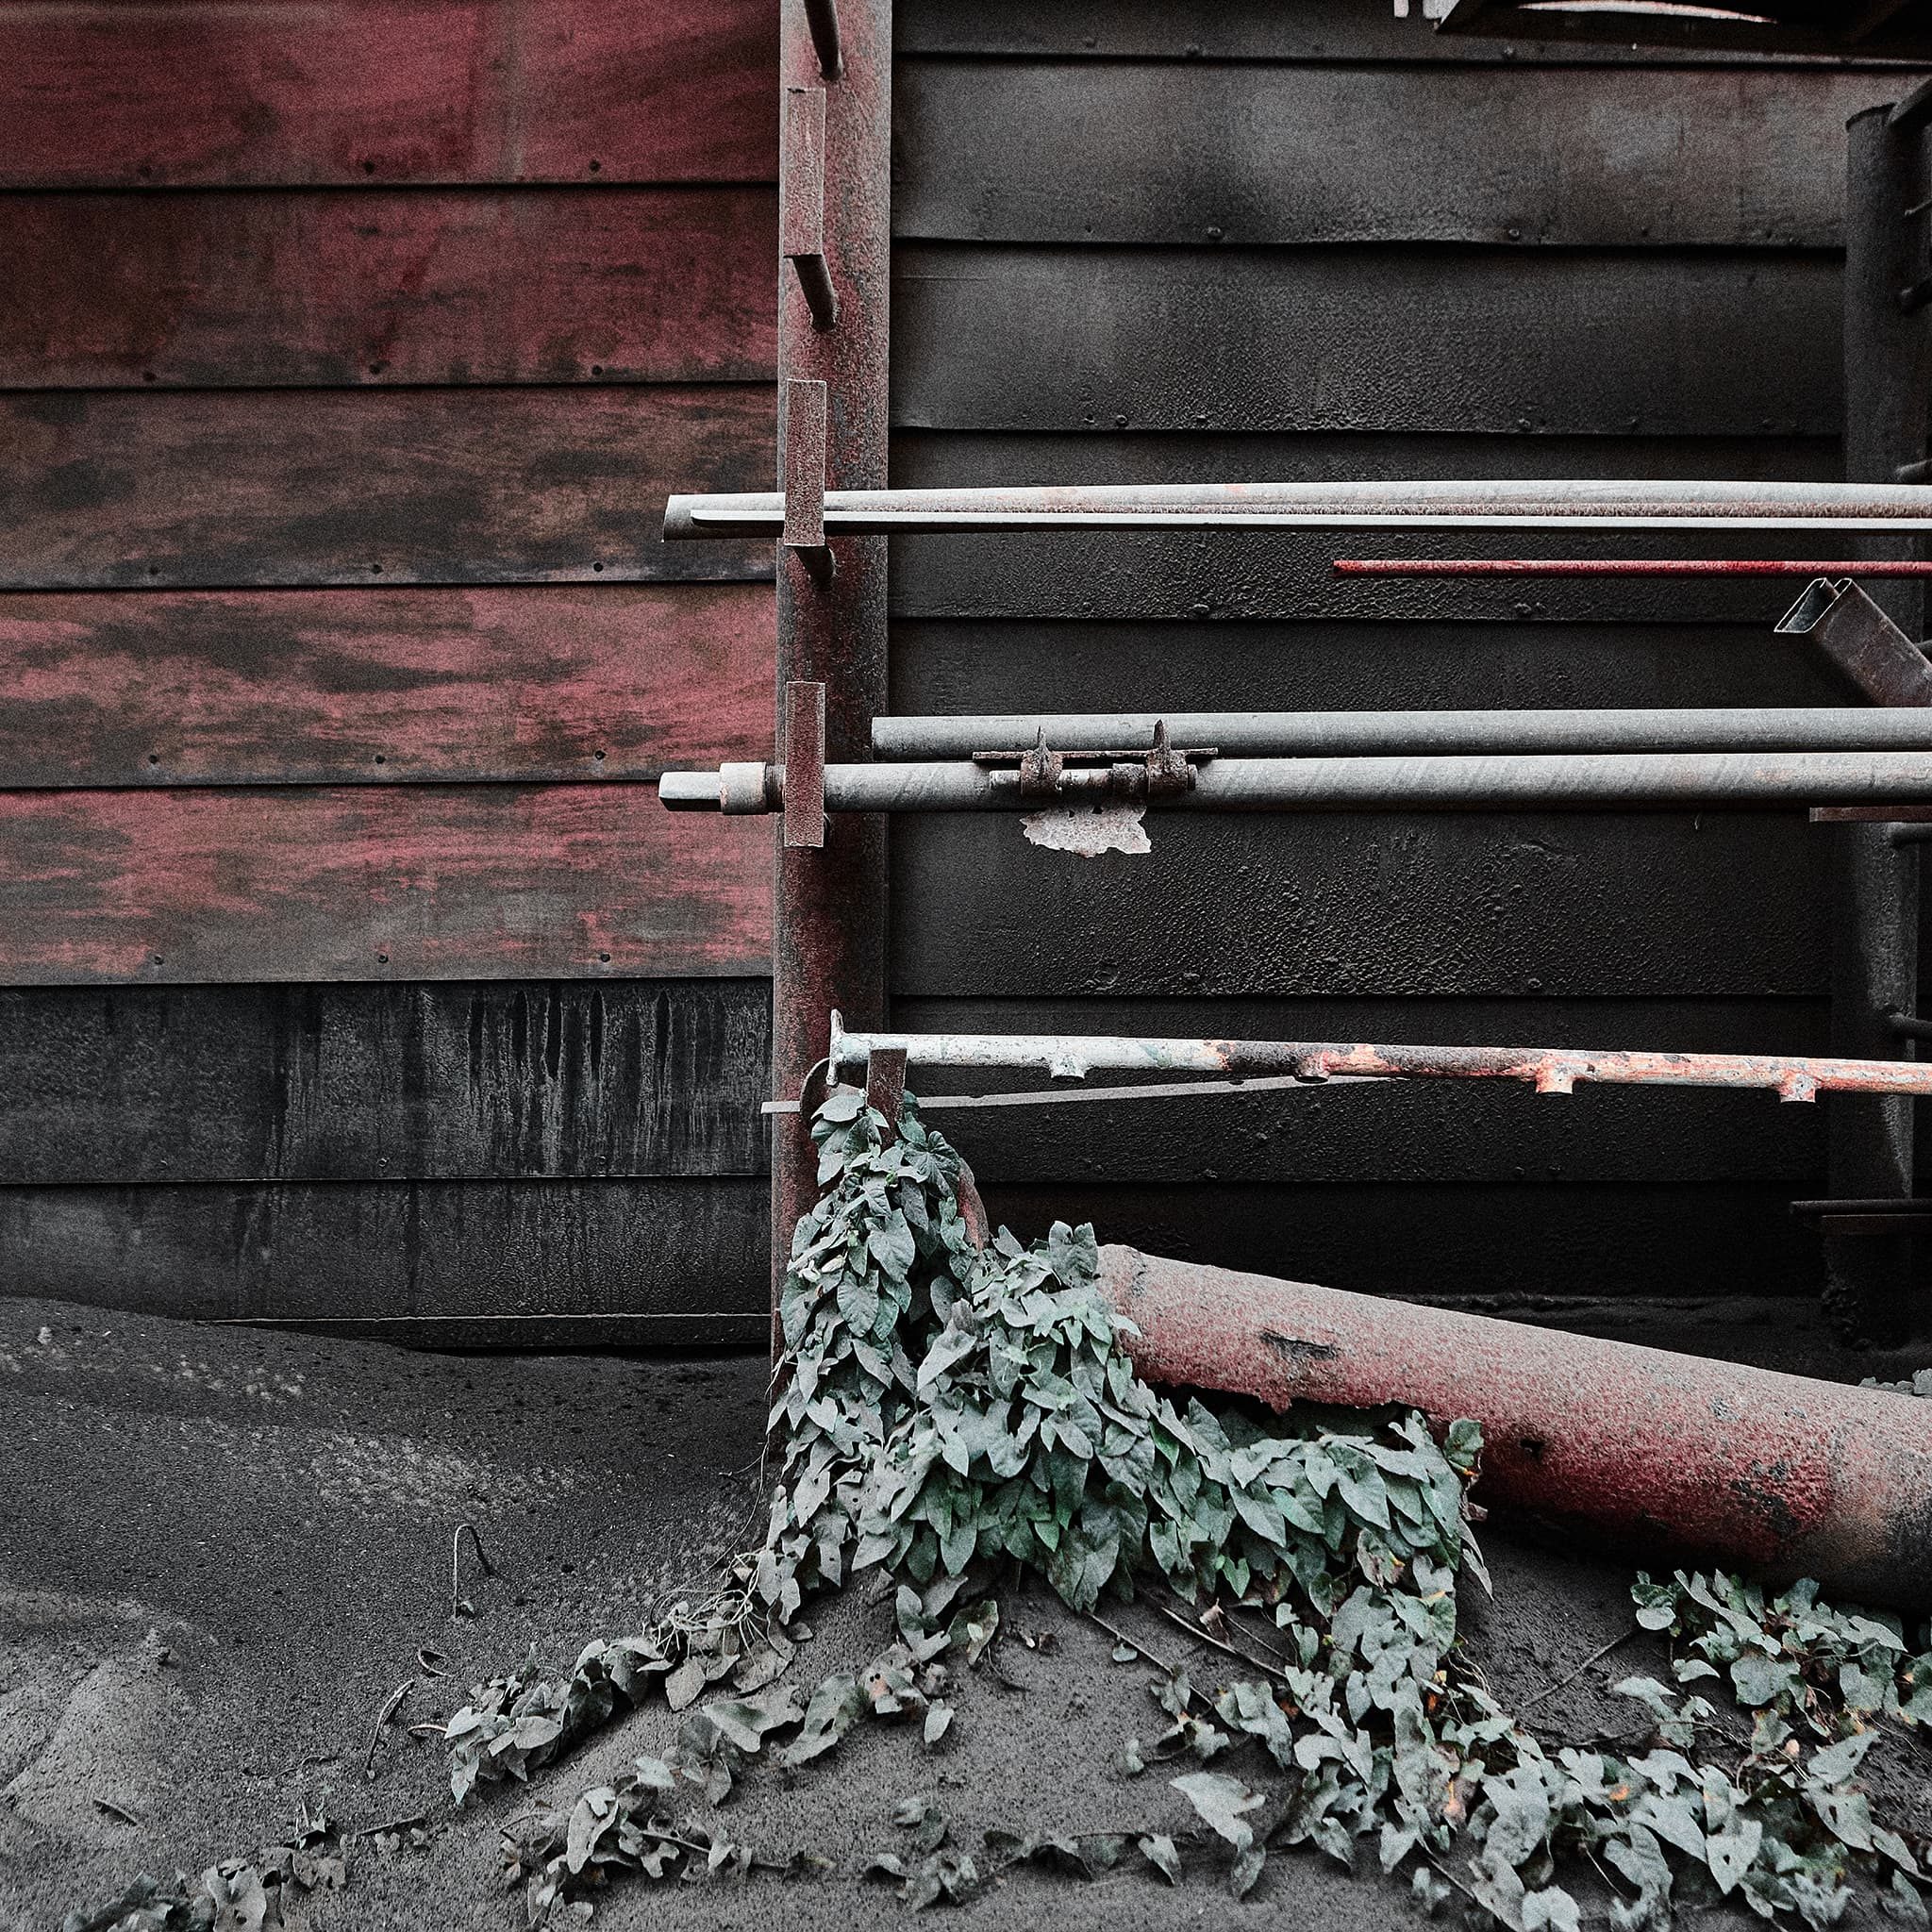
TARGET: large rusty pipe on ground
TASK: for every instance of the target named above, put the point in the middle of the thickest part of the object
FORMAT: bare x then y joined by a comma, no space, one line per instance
1780,1474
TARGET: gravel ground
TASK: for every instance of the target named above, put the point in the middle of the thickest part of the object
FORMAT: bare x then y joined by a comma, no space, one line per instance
222,1550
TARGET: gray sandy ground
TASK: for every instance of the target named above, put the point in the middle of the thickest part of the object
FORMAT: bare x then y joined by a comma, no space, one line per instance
222,1549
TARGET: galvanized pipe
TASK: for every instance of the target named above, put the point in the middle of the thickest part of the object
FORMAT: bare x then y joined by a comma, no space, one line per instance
1659,781
1329,734
1779,1474
1548,1069
1492,505
1619,567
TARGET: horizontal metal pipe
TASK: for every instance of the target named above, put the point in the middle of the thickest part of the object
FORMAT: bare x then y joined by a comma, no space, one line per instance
1328,734
1548,1069
1588,782
1782,1474
1496,504
1619,567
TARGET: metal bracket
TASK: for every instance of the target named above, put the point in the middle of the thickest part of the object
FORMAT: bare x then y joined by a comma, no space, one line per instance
822,20
804,765
1048,775
1866,646
805,477
885,1085
802,177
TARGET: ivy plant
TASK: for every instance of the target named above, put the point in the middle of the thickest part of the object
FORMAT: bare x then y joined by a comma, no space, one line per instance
951,1414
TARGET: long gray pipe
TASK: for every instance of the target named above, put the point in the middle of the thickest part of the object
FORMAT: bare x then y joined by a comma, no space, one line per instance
1513,505
1684,781
1330,734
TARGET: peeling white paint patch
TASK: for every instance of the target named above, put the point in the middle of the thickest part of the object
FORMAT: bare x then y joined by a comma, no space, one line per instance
1089,829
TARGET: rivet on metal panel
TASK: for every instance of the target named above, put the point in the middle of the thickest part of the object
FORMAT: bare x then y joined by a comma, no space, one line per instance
821,18
804,765
885,1085
802,174
805,477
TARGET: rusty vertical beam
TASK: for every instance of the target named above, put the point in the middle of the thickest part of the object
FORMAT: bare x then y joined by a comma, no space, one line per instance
829,937
1874,965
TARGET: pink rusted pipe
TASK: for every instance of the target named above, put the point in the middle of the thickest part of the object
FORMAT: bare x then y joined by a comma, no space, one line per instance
1779,1475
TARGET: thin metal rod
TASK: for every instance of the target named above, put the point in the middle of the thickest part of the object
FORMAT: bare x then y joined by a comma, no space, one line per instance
1620,566
1907,1203
1328,734
1638,780
1156,1089
1496,504
1549,1070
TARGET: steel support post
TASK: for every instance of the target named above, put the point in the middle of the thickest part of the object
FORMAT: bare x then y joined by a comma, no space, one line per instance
829,911
1875,964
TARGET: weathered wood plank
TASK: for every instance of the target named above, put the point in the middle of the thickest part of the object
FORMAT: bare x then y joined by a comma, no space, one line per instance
1182,151
1217,576
551,682
1649,904
1689,1241
96,93
1321,30
1013,665
682,1260
1052,339
232,487
1459,1132
466,286
374,882
489,1080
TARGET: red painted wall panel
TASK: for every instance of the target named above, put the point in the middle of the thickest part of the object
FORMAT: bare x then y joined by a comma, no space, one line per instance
239,93
456,286
259,486
324,687
374,882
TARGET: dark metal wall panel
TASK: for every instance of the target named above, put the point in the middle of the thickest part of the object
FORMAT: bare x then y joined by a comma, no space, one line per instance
301,487
1360,903
634,1078
1415,340
1351,664
1559,1240
232,288
1183,242
671,1260
1279,152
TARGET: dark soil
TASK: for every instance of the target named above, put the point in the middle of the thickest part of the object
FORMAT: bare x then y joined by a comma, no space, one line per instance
221,1550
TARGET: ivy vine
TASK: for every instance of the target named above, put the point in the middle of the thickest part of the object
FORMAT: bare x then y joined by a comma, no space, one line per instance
952,1415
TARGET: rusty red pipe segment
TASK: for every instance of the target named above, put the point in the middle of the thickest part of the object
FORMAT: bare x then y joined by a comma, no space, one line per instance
1663,1453
1548,1069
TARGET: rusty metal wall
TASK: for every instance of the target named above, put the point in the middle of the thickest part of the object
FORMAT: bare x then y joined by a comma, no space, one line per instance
1173,241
